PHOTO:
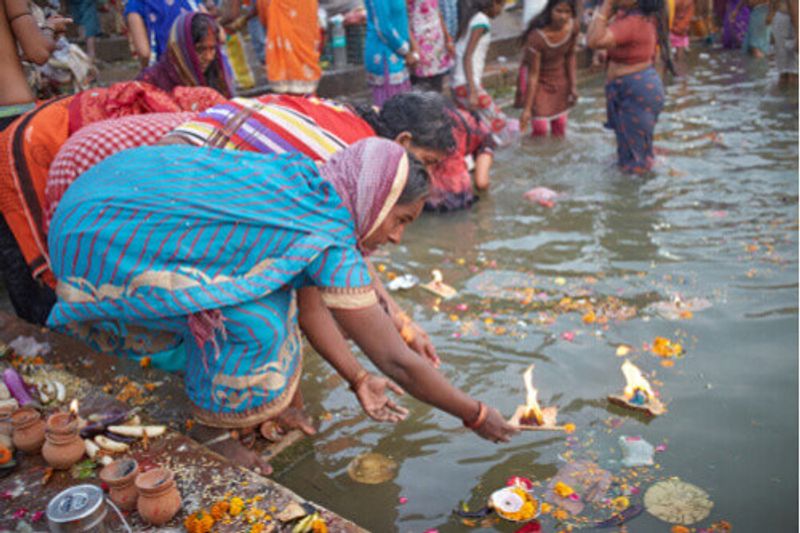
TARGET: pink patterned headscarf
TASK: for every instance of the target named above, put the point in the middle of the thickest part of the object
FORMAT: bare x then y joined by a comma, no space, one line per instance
369,176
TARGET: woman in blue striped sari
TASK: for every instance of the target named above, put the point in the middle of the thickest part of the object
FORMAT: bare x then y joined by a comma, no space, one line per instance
212,248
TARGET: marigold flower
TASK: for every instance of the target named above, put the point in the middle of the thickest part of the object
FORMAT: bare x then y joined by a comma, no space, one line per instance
560,515
569,428
620,503
562,489
679,529
236,506
220,509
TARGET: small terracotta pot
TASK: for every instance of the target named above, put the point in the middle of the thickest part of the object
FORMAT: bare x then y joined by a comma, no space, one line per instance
63,445
159,499
28,434
120,476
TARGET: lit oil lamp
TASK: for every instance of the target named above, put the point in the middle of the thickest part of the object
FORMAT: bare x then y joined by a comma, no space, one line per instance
63,445
438,287
638,394
531,416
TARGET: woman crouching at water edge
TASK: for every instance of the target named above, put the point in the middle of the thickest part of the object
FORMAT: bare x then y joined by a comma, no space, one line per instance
634,92
213,249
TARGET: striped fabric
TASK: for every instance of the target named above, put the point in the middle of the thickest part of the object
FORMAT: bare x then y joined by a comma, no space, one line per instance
97,141
202,231
277,124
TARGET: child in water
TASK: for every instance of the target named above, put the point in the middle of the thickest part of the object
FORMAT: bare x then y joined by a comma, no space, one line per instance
547,71
471,49
679,29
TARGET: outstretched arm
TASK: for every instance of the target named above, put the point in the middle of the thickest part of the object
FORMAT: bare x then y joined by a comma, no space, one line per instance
383,345
323,333
416,337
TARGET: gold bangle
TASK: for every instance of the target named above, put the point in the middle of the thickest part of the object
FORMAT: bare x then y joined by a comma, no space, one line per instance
483,414
599,15
361,377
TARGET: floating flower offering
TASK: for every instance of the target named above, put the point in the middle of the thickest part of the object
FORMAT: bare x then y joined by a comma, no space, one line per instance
514,504
372,468
638,395
438,287
677,502
531,417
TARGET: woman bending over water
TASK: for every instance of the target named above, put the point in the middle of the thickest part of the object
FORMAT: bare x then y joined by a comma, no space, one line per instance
213,249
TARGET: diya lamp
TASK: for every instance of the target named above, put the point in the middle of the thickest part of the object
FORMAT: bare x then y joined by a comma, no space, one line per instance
28,430
438,287
637,395
531,416
63,445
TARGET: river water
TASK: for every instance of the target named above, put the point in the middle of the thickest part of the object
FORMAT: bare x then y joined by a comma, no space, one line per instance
717,219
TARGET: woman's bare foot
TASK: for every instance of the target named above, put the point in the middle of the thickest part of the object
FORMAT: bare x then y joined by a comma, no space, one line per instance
224,443
295,418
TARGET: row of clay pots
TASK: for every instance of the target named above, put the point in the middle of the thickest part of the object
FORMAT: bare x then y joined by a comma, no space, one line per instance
58,439
153,493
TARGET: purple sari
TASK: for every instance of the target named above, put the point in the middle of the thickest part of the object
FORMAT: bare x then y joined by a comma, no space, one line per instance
733,32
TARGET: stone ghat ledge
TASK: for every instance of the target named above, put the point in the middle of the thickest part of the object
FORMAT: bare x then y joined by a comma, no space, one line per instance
100,383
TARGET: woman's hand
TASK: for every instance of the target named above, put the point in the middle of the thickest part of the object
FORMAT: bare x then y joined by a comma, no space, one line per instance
371,394
524,120
421,343
450,46
495,428
57,23
473,99
572,98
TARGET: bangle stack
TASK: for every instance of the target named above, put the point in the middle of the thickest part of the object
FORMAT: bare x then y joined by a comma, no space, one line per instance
480,418
361,377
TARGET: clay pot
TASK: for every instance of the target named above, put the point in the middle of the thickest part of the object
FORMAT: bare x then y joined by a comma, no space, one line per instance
28,434
159,499
120,476
63,445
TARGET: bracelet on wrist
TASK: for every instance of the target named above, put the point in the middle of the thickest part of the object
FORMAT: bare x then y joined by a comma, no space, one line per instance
480,417
359,380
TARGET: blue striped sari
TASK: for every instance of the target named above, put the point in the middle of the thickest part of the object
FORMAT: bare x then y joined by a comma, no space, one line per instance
206,246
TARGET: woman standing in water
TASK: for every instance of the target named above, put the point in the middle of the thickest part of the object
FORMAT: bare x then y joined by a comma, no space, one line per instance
634,92
549,62
756,38
215,249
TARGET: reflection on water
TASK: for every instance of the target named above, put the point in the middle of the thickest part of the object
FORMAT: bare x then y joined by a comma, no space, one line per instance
717,219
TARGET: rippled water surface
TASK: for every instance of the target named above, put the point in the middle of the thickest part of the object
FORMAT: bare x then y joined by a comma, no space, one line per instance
718,219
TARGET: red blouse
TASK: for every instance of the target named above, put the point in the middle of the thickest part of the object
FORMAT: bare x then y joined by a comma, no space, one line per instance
634,38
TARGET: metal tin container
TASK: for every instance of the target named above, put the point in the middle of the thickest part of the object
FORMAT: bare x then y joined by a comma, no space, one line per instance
83,508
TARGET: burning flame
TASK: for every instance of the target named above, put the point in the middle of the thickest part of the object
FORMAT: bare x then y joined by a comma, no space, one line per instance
532,410
437,276
73,407
634,380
